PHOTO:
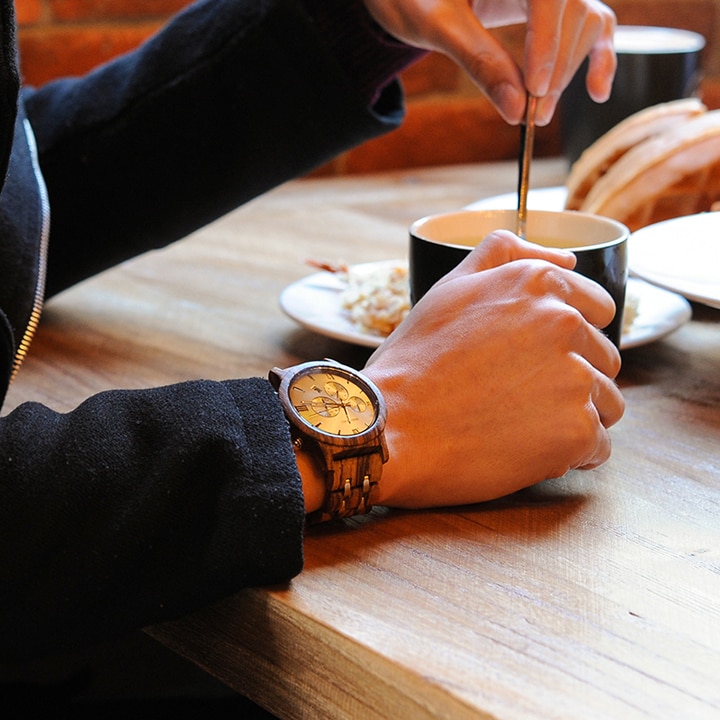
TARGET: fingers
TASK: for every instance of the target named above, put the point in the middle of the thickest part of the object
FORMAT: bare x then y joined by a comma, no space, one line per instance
602,354
608,401
531,272
591,300
503,246
488,63
561,34
602,65
453,28
594,304
542,45
585,435
608,405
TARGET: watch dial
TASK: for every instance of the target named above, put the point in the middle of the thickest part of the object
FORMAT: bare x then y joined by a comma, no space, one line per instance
332,402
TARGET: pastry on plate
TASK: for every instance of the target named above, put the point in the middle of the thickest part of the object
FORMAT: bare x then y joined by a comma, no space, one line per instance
659,163
606,151
671,174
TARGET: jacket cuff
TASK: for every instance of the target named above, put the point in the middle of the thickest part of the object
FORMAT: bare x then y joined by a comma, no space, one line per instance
370,57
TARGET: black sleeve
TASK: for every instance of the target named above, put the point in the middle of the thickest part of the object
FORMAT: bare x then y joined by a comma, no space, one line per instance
231,99
139,506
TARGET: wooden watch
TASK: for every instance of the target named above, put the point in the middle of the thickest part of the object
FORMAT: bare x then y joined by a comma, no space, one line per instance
338,415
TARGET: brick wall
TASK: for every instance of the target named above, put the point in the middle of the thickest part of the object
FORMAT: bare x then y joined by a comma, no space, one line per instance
449,121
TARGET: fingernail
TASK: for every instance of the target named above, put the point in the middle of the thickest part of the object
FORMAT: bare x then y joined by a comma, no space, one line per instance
541,80
511,102
546,109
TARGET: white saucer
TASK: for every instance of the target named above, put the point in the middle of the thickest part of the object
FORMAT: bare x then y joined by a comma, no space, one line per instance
314,303
550,198
682,254
659,312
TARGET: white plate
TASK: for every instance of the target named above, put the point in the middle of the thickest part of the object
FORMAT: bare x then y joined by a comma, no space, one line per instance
659,312
682,254
550,198
314,303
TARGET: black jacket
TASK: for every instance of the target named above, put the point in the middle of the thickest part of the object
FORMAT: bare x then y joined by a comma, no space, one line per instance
109,518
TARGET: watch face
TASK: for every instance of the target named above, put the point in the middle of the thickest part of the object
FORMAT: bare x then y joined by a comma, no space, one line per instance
332,401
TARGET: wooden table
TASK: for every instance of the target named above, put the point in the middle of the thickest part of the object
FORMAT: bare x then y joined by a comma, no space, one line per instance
593,596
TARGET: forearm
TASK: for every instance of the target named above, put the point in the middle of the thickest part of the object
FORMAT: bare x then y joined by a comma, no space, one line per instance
140,506
229,100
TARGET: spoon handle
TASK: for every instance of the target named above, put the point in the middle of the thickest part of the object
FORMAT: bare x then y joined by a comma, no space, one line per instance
527,137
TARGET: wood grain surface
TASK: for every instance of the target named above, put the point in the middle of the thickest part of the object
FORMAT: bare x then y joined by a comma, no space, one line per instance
593,596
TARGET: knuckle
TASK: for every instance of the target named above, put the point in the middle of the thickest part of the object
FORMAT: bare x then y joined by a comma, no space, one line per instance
546,278
585,438
570,321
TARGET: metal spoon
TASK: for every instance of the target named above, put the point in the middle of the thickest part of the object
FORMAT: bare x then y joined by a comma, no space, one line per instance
527,136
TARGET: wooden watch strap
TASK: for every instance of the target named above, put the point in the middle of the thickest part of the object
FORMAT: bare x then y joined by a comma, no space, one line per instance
353,486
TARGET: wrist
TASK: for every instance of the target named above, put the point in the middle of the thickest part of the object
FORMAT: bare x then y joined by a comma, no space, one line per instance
313,482
337,418
395,488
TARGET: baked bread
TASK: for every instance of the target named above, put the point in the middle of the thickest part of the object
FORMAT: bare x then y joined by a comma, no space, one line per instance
672,173
597,159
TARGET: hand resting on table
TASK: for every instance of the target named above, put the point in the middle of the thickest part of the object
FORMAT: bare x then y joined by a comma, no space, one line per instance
498,378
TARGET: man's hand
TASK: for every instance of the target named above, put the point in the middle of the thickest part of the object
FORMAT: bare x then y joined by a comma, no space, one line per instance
560,35
498,378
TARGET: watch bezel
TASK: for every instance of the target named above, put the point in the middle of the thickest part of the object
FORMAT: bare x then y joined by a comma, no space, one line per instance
289,376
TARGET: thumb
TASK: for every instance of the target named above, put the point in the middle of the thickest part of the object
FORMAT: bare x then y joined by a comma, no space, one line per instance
465,40
452,28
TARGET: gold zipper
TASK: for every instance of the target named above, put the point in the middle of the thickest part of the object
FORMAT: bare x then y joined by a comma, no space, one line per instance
37,308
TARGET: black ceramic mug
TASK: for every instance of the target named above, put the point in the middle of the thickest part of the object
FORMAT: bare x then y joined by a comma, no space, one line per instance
654,65
439,242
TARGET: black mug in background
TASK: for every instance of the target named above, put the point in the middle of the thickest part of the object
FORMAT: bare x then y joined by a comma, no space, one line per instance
655,65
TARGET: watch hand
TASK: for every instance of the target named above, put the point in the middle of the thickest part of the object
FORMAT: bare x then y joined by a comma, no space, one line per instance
321,406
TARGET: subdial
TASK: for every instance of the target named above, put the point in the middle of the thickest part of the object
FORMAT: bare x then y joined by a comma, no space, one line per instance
325,406
357,404
336,389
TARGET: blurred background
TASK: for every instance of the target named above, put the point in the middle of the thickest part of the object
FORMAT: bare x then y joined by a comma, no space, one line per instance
449,121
